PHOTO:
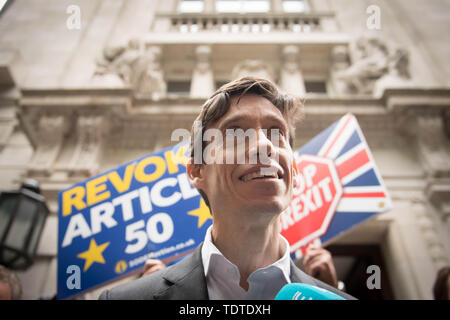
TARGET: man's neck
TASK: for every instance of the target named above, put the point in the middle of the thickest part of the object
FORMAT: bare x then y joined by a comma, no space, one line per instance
248,246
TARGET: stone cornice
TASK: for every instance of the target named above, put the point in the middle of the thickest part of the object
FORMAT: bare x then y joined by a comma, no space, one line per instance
272,38
248,15
393,101
80,97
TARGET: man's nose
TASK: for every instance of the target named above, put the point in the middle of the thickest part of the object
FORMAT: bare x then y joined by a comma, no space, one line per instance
261,149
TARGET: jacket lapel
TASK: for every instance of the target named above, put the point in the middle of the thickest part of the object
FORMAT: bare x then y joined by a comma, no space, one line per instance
298,276
185,280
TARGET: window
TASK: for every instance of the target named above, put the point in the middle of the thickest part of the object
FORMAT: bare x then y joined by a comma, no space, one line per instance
190,5
294,5
242,5
179,87
316,86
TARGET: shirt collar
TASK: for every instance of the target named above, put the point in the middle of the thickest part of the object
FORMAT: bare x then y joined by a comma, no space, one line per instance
209,250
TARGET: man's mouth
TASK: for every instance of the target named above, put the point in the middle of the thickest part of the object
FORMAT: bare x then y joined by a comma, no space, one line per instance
261,173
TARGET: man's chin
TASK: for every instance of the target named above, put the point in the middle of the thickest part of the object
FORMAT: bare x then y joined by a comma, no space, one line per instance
266,206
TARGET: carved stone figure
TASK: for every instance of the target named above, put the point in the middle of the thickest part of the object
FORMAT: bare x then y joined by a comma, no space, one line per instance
150,75
373,61
133,65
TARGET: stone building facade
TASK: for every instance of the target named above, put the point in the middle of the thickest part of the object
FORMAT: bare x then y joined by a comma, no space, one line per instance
86,85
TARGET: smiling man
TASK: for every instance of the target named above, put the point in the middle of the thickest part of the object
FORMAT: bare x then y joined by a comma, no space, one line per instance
246,176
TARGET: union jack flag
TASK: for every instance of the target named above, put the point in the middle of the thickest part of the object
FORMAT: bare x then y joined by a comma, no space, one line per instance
364,193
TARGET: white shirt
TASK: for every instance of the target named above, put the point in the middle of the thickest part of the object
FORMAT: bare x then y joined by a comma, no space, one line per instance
222,276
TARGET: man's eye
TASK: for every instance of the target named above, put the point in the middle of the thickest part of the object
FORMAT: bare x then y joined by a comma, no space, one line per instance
276,132
232,130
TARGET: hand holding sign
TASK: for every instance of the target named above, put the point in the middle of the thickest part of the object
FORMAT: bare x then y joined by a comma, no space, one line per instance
152,265
318,263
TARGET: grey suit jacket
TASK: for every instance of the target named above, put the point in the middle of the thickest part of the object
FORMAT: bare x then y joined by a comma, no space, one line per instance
186,280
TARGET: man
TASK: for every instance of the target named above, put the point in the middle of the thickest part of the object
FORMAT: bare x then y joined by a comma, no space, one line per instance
441,287
10,288
243,255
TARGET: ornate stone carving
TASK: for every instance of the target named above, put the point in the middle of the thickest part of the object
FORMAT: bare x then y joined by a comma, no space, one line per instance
49,136
7,124
429,232
433,145
438,193
375,65
291,76
255,68
132,65
90,133
151,77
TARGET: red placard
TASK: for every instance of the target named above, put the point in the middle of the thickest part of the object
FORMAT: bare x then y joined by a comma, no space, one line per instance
314,201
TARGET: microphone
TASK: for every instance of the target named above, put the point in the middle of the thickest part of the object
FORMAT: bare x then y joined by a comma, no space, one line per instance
303,291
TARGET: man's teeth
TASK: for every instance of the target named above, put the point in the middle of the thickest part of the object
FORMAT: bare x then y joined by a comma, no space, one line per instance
259,175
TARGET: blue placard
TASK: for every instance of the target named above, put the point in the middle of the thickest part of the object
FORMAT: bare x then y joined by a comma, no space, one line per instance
110,224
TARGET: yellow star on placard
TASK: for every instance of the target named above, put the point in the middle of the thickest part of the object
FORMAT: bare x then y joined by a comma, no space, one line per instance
202,213
93,254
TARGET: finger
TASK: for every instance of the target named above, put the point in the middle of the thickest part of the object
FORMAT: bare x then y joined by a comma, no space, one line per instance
325,273
320,262
316,270
153,261
319,268
153,269
314,258
311,255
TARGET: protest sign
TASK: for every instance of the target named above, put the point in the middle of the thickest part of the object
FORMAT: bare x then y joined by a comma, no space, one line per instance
339,187
111,223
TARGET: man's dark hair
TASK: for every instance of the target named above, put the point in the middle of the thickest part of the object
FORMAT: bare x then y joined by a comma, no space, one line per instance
220,102
441,285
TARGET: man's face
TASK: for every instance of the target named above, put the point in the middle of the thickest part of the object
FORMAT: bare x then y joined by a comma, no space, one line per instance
251,186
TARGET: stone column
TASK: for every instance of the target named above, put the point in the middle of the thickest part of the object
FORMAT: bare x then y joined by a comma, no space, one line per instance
339,62
291,78
428,230
202,83
209,6
276,6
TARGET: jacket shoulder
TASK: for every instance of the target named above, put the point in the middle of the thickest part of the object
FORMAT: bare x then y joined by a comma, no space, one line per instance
297,275
183,280
140,289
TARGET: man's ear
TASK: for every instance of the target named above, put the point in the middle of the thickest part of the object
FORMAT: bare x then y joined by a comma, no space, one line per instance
195,174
